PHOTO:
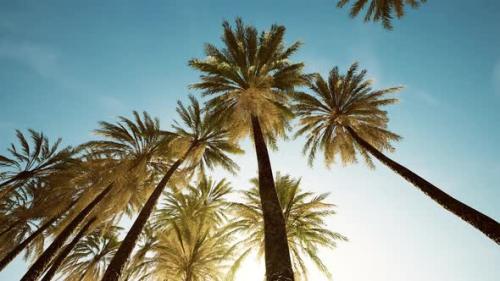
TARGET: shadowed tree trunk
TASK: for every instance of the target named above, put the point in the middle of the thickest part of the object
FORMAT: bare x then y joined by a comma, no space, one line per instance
19,248
277,254
65,252
478,220
44,259
117,264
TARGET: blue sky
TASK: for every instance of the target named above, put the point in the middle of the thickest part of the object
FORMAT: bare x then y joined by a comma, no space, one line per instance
65,65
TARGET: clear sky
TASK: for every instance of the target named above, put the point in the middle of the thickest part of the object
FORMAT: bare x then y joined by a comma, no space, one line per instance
64,65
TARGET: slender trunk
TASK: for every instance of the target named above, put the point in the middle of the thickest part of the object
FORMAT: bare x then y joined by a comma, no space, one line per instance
277,254
19,248
117,264
480,221
44,259
65,252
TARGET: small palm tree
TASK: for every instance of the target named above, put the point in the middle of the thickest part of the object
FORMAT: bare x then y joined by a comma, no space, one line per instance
381,10
305,215
203,143
190,252
193,235
343,116
249,80
30,162
91,256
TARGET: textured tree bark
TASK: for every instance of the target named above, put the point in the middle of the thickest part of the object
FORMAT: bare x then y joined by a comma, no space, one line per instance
277,253
44,259
65,252
117,264
478,220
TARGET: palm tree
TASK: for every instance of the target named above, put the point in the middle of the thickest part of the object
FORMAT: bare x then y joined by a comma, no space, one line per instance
381,10
129,146
91,255
32,162
203,143
343,116
305,215
193,235
249,80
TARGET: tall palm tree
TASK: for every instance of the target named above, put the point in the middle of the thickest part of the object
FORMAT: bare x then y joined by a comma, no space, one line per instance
129,146
31,162
305,215
249,80
203,143
343,116
381,10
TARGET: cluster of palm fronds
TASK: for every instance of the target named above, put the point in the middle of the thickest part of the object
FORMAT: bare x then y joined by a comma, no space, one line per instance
196,233
76,197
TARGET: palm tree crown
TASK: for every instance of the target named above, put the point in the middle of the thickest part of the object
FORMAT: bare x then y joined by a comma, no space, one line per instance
32,161
91,256
341,102
192,241
202,131
381,10
250,76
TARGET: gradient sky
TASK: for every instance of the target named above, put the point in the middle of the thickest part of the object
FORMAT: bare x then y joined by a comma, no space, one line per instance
65,65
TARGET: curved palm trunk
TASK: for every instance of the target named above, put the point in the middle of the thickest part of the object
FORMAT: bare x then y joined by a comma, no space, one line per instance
277,254
480,221
44,259
19,248
117,264
65,252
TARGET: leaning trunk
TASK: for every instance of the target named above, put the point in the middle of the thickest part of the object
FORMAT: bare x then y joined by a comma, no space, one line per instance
19,248
277,254
44,259
480,221
117,264
65,252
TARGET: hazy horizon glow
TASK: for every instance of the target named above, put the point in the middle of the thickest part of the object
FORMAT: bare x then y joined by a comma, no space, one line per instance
65,66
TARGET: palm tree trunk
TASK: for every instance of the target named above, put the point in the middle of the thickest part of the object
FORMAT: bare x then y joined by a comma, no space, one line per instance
480,221
117,264
277,254
19,248
65,252
44,259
